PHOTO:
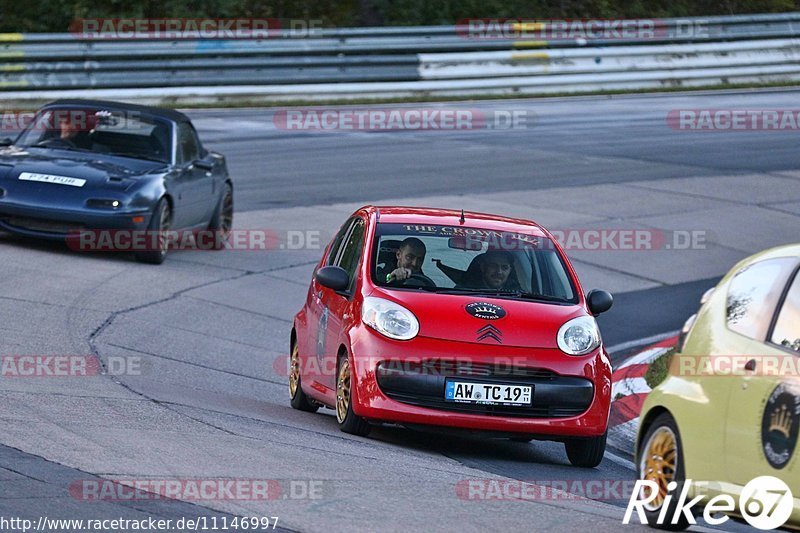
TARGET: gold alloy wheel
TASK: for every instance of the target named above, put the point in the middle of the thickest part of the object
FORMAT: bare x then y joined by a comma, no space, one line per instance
294,372
343,391
658,463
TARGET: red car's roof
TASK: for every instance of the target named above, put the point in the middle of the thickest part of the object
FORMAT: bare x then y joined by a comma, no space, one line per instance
452,217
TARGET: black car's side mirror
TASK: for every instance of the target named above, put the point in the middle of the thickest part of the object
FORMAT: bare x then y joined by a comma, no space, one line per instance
333,277
203,165
6,142
599,301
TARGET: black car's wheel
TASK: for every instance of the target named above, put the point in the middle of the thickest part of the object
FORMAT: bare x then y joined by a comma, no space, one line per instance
349,422
221,222
299,400
586,452
159,225
660,459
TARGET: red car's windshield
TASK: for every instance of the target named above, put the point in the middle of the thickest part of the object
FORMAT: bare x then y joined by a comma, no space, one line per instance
470,260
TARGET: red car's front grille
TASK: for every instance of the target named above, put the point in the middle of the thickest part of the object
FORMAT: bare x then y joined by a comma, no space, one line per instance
423,385
442,367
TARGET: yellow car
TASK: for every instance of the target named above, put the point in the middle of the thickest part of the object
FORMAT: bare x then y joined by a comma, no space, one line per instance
729,409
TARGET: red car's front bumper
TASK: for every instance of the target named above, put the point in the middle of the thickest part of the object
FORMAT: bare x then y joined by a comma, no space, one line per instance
571,395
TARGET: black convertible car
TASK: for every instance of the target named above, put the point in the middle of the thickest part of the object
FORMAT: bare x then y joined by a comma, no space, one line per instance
83,165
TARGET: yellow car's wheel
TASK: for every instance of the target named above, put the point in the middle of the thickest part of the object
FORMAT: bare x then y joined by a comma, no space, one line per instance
660,460
349,422
299,400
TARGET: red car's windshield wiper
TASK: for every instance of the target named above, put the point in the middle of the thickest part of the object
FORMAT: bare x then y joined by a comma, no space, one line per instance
496,293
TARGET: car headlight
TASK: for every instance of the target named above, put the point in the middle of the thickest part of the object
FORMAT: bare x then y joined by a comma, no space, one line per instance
389,318
579,336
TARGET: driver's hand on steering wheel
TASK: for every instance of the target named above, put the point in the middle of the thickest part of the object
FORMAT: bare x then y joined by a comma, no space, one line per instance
399,274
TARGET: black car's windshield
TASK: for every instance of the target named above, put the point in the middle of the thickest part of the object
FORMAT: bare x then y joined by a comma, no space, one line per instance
112,132
475,261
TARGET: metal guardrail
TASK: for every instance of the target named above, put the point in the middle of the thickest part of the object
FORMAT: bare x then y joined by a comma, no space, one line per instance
399,61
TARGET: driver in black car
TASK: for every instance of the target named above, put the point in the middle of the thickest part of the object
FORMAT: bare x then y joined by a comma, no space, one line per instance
70,134
410,257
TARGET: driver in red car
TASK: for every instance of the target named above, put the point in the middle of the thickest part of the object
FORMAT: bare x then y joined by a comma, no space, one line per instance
410,257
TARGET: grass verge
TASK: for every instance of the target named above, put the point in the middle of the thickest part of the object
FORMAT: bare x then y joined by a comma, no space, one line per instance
657,372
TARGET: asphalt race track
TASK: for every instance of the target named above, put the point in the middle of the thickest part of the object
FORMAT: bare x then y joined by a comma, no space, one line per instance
208,331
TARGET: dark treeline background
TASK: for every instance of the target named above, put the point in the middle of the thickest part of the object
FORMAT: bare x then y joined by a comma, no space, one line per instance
56,15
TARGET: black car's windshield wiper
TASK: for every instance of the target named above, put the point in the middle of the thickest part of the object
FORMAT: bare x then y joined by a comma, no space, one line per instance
137,156
58,147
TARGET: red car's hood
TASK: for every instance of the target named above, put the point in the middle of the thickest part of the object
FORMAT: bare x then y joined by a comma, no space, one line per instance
444,316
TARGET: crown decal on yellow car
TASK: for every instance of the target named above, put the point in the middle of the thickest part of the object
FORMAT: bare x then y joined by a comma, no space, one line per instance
781,421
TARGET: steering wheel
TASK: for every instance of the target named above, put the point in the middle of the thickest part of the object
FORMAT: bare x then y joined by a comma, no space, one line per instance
418,280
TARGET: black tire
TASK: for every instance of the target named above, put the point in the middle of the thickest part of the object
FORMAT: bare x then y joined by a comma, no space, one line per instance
348,421
160,222
586,452
520,439
221,222
663,425
299,399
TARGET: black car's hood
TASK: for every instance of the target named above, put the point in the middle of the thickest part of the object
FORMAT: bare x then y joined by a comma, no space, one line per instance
97,169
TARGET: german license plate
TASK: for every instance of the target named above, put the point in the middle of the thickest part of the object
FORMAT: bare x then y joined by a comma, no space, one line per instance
488,393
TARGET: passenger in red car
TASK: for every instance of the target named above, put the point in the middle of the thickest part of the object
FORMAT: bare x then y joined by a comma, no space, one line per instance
495,269
492,270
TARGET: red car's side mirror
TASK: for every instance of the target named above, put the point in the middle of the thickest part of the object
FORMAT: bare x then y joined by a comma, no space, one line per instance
599,301
333,277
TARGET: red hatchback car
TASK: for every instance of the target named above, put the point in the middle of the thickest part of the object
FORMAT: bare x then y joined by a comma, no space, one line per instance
430,317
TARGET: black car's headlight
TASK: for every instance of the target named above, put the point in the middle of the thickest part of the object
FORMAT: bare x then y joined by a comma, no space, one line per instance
103,203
